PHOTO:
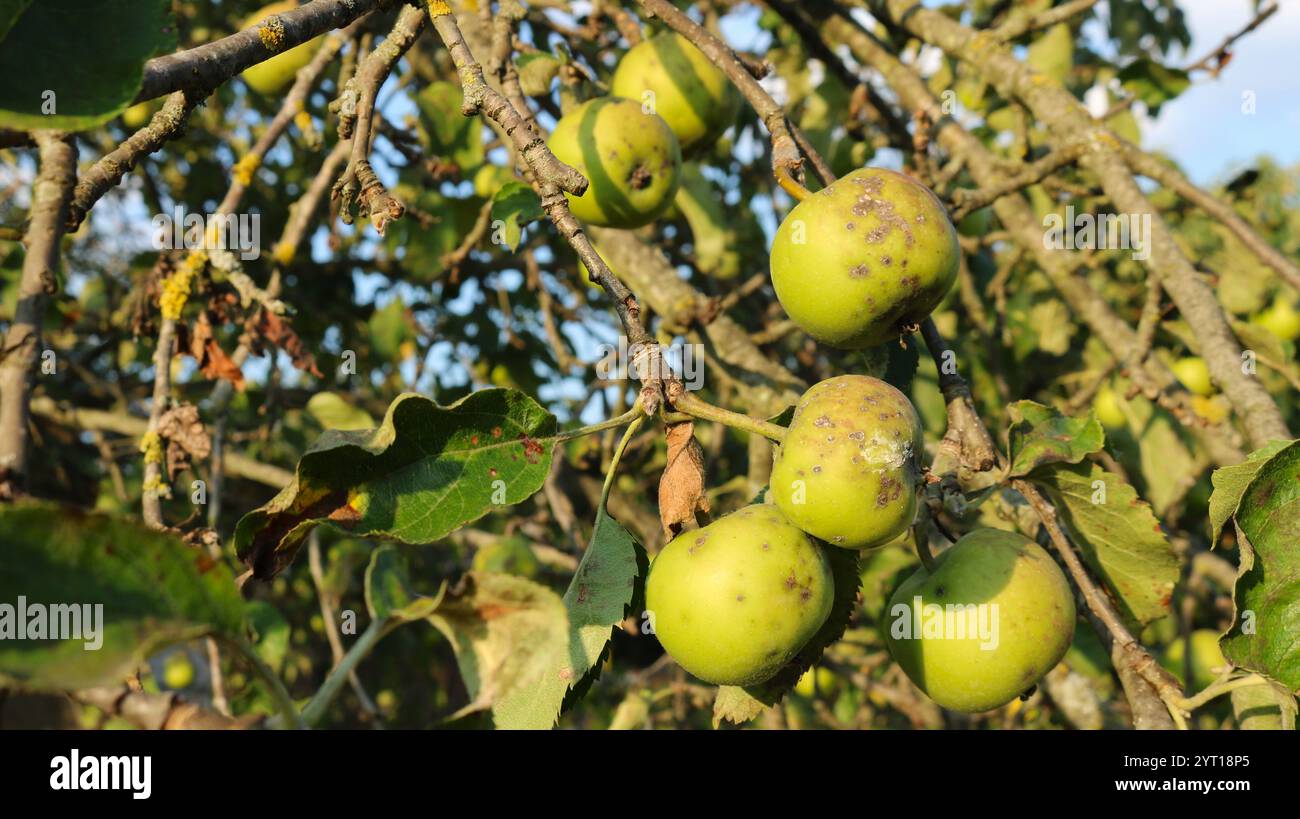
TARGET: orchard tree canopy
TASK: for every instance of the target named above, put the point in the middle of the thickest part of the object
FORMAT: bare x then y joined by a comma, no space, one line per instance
639,364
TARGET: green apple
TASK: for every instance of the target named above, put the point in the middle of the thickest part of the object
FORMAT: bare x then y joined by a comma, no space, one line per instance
846,471
1280,318
734,601
856,262
272,76
1110,409
630,158
1207,659
138,115
510,555
670,76
817,681
1194,375
1014,624
178,671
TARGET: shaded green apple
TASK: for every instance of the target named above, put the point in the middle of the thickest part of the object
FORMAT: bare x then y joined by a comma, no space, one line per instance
1194,375
1110,409
673,78
734,601
859,260
1280,318
510,555
138,115
272,76
630,158
178,671
847,471
1207,659
1014,624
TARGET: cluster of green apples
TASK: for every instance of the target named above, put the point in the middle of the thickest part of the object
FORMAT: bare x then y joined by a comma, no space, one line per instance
667,101
735,601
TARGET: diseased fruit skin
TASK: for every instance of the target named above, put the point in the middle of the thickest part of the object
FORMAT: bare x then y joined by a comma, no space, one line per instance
272,76
691,94
734,601
857,261
847,471
1034,621
1206,657
630,158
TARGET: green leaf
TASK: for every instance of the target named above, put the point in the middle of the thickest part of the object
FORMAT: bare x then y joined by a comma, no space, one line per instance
270,633
389,329
448,132
1120,538
1052,53
1231,482
536,70
75,64
1267,595
154,591
598,598
424,472
739,705
333,411
422,247
1153,83
508,634
1043,435
388,588
515,205
713,232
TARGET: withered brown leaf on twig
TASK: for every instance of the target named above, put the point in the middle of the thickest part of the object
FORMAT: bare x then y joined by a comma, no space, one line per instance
681,487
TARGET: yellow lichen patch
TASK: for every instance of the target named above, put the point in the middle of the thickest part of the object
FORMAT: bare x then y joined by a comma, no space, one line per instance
176,287
151,447
271,33
437,8
303,120
243,170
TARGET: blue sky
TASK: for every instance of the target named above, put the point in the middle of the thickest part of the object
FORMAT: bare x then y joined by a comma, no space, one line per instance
1205,129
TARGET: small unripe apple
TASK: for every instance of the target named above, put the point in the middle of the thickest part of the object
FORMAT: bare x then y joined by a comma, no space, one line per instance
1207,659
630,158
817,681
138,115
669,75
272,76
734,601
846,471
856,262
1281,319
993,616
178,671
1110,410
510,555
1194,375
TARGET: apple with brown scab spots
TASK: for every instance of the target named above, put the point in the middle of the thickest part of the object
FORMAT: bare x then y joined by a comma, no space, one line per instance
866,257
734,601
847,471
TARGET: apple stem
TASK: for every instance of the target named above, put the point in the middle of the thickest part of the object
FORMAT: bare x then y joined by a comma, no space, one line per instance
691,405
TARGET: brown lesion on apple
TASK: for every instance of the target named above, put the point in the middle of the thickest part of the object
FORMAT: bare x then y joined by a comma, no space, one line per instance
640,178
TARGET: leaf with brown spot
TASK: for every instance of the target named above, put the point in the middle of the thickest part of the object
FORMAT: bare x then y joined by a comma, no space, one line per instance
424,472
